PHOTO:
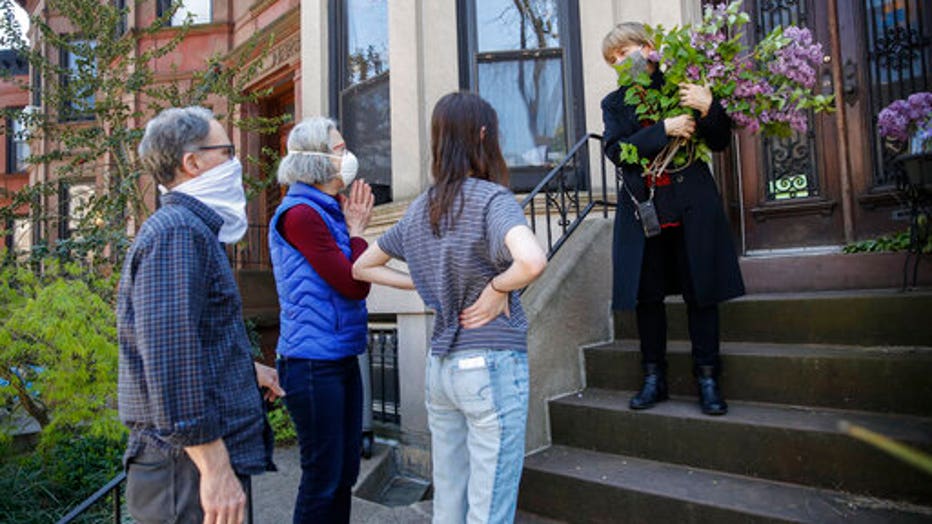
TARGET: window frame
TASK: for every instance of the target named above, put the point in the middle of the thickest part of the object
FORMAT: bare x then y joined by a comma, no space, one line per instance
67,110
161,6
9,239
469,58
11,156
338,22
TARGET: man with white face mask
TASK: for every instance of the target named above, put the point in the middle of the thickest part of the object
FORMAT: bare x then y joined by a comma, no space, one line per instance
188,388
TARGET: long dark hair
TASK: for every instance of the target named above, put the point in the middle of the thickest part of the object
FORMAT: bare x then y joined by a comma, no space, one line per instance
463,143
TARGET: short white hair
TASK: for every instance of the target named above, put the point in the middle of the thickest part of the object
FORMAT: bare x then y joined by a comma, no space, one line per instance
309,136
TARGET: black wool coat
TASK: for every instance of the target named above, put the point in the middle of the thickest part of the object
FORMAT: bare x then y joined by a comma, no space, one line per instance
713,261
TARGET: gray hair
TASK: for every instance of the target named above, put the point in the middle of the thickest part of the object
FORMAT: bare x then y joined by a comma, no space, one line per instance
172,133
309,136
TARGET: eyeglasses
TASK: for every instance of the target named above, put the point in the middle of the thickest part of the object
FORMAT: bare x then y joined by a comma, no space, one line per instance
230,148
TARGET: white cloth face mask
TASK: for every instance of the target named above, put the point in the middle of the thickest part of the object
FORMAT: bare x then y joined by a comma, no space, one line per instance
221,189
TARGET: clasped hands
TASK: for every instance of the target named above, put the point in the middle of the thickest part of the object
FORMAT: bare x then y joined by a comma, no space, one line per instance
692,96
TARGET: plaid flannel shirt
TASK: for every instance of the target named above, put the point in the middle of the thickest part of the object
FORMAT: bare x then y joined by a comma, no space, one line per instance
186,370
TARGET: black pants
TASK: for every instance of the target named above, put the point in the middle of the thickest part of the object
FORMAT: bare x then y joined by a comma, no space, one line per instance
163,487
665,271
325,402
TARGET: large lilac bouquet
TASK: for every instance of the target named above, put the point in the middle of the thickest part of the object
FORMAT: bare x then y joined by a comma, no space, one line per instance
767,89
903,120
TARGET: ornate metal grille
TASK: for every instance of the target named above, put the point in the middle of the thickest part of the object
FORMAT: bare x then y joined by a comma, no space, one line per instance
899,54
789,163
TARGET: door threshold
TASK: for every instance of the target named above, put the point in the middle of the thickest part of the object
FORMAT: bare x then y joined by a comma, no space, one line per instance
794,251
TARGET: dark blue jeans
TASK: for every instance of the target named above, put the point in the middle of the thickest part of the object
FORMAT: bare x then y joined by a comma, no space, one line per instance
324,398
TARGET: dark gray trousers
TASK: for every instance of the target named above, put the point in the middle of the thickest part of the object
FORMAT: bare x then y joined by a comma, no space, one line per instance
163,489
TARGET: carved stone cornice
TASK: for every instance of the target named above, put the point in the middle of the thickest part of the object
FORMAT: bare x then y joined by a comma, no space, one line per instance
286,48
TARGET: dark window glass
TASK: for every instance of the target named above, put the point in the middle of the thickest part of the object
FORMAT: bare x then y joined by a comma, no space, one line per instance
77,89
36,86
791,166
122,25
362,100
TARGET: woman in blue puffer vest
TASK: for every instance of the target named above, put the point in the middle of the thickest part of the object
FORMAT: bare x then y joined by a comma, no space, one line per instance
314,237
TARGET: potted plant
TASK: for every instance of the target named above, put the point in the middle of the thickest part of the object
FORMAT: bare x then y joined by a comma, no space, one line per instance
906,127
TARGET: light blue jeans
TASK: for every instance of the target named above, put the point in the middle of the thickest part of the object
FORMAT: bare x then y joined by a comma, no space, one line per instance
477,413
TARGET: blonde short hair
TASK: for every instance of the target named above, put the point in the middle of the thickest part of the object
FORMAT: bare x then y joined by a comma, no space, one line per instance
621,36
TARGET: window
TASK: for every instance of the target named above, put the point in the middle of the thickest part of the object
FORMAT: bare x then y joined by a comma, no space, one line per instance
898,63
36,86
523,58
17,146
122,25
360,97
73,202
76,83
199,10
17,236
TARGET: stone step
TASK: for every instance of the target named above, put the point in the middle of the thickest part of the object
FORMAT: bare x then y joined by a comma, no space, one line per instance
589,487
883,379
776,442
803,270
860,318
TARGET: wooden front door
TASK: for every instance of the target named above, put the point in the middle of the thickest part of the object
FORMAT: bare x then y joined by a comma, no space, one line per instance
790,189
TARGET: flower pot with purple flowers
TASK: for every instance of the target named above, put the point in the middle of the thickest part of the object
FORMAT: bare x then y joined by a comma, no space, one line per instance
906,128
907,124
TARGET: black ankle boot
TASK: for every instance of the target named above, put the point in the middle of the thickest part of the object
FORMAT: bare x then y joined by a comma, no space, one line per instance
710,398
653,390
368,439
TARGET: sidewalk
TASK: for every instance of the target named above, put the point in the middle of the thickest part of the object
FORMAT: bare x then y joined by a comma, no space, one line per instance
274,494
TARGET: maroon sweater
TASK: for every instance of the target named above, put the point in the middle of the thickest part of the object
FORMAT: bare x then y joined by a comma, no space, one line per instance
306,231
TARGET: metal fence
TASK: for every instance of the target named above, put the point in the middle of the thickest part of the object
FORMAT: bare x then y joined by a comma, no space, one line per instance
383,372
112,489
567,195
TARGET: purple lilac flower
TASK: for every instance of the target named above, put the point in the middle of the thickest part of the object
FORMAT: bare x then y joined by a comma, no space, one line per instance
901,117
716,71
799,59
692,72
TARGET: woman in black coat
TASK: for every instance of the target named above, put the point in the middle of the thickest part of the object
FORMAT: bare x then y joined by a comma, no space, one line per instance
694,254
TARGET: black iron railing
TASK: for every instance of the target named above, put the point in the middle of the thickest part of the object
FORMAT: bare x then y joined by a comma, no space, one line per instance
383,372
562,190
111,488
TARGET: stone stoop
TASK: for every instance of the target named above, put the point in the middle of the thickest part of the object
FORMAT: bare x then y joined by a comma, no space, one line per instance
778,455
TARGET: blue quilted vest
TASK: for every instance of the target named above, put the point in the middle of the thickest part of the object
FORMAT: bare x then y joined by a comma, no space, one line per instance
316,321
